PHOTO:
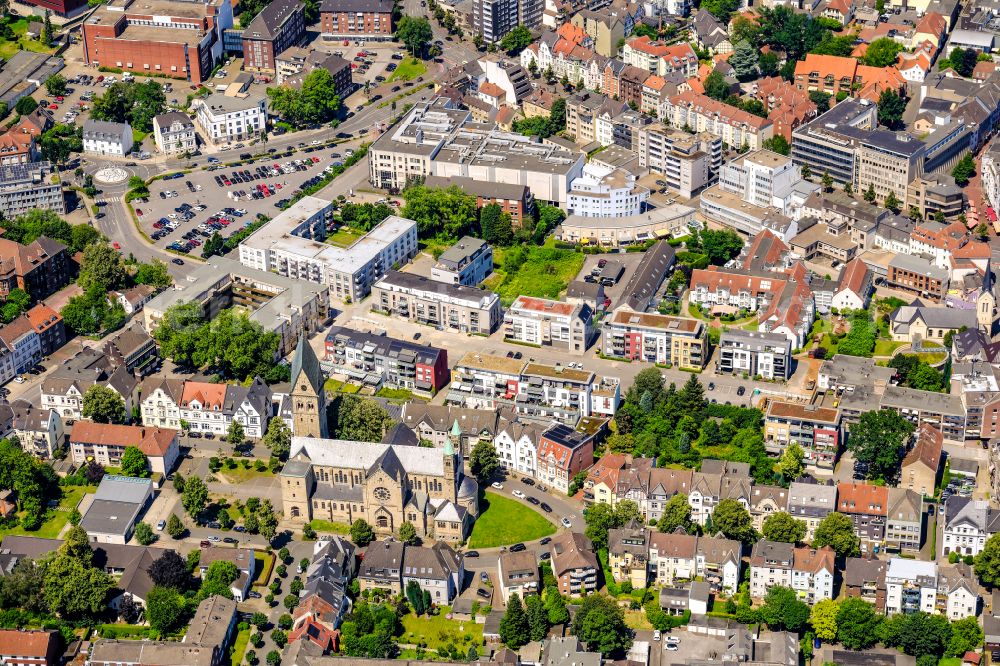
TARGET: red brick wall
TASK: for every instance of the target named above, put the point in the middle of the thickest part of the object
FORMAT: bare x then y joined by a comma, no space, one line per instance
384,25
109,52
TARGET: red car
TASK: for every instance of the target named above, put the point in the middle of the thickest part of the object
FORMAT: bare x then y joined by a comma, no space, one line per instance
53,106
224,223
116,245
315,160
59,98
138,211
100,78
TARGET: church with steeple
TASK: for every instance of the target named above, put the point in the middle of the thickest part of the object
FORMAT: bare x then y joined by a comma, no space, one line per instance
986,303
385,484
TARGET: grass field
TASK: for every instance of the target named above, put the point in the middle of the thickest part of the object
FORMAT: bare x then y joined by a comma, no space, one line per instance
636,619
402,395
408,69
887,347
239,475
503,521
545,273
55,519
238,647
263,564
438,630
329,526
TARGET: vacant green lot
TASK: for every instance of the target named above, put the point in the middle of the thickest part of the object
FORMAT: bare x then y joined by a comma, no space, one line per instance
329,526
409,69
263,565
56,518
503,521
438,630
545,271
239,475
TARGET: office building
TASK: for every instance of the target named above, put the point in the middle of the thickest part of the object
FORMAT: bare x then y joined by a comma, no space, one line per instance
224,119
602,191
468,262
443,306
655,338
685,162
356,19
278,26
544,322
377,360
292,245
917,275
436,139
753,354
173,38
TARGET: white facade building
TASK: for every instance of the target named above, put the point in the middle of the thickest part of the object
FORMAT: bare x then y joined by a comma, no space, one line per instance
174,133
603,191
105,138
516,444
911,586
544,322
224,119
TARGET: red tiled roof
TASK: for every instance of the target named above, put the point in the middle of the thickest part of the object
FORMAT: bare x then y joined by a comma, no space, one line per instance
34,644
862,498
727,114
854,276
813,560
491,89
933,24
151,441
826,65
211,396
926,448
42,317
543,305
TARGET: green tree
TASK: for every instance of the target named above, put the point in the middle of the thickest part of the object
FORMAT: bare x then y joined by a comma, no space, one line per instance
827,181
75,589
837,531
987,564
362,533
878,440
676,513
964,170
891,107
443,213
153,273
495,225
235,435
416,597
782,610
555,606
515,40
966,635
170,570
600,625
857,624
218,578
745,61
56,85
134,462
823,619
361,419
415,32
882,52
918,634
130,102
102,266
515,630
175,528
720,246
778,143
278,438
144,534
103,404
870,194
791,465
716,86
782,527
25,105
408,533
733,520
538,617
483,460
166,609
891,202
195,496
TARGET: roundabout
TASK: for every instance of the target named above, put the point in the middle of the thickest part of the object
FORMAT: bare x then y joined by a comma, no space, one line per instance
111,175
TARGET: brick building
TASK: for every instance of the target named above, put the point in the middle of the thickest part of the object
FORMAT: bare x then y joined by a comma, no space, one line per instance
353,19
279,25
512,198
40,268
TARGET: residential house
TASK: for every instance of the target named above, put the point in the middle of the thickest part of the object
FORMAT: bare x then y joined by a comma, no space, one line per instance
516,444
518,574
106,443
867,506
814,428
437,569
904,521
160,398
766,501
628,554
968,524
574,564
36,647
911,586
718,480
562,452
382,565
958,592
242,558
40,431
132,348
864,578
437,424
922,463
811,503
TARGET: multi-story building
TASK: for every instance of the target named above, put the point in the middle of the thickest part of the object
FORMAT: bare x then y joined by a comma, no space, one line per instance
39,431
867,506
919,276
628,554
814,428
659,58
603,191
106,443
173,38
583,109
468,262
278,26
718,480
515,200
377,359
384,484
443,306
296,63
904,521
356,19
132,348
437,569
922,463
808,571
21,347
911,586
436,139
562,453
574,564
516,444
174,133
212,408
495,18
944,411
101,137
544,322
41,268
161,399
288,246
733,126
752,353
864,578
656,338
63,388
685,162
436,424
676,559
518,574
224,119
811,503
31,186
968,524
19,647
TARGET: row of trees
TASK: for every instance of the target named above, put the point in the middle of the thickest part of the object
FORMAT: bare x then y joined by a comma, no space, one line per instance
131,102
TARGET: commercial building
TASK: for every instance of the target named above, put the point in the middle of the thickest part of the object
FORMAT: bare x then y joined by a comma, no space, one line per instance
606,192
23,74
752,353
292,245
106,443
443,306
289,307
174,133
544,322
665,221
685,162
224,119
915,274
356,19
377,360
101,137
174,38
436,139
813,428
112,515
468,262
656,338
278,26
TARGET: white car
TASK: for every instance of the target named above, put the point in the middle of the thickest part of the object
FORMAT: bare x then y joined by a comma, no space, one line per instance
518,494
566,523
497,485
160,525
670,646
214,539
656,634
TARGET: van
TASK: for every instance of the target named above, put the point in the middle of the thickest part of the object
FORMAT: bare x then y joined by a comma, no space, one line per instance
205,543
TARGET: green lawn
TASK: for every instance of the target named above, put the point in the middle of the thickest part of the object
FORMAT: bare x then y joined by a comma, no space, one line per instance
409,69
438,630
55,519
329,526
503,521
344,237
238,647
636,619
403,395
545,273
264,562
240,475
887,347
950,661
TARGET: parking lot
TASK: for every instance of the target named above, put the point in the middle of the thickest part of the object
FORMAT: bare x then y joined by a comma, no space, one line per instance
253,188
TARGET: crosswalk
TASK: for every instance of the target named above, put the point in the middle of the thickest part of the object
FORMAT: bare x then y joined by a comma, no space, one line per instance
109,200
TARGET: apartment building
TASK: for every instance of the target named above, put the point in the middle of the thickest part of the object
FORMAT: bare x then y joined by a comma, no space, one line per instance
718,480
922,464
212,408
946,412
377,360
574,564
864,578
518,574
20,647
911,586
968,524
161,397
584,108
516,443
811,503
685,162
904,521
814,428
30,186
656,338
224,119
659,58
173,38
808,571
468,262
701,113
41,268
356,19
106,443
437,139
628,555
443,306
515,200
543,322
752,353
562,453
677,559
101,137
278,26
174,133
867,506
291,245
